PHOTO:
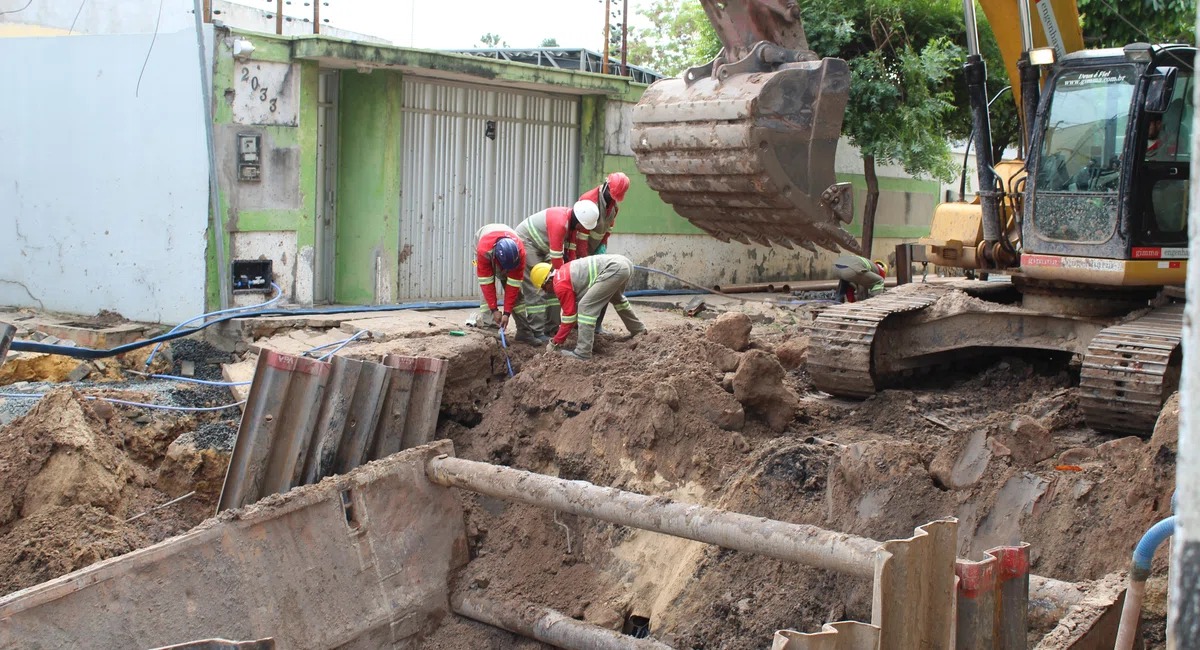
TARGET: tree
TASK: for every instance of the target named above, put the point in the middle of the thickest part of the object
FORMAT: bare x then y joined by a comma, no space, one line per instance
549,42
492,40
1115,23
679,37
904,63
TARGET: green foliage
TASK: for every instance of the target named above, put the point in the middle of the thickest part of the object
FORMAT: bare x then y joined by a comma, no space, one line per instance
492,40
898,106
679,37
1115,23
904,62
549,42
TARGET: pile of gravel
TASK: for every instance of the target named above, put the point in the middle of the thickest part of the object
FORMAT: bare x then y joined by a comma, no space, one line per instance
214,435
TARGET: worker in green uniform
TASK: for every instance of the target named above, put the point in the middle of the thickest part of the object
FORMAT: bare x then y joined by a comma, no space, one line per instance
858,277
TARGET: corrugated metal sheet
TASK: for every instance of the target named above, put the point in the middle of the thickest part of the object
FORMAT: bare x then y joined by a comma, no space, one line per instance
307,419
455,179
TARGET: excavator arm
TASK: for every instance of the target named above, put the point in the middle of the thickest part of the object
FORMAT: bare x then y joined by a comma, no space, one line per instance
743,146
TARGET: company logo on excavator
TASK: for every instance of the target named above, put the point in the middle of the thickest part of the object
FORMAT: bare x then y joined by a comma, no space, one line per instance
1160,253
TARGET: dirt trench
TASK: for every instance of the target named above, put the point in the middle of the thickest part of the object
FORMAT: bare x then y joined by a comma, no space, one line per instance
1003,448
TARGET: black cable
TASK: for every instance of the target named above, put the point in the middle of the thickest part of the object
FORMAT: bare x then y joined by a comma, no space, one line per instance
17,11
152,40
77,12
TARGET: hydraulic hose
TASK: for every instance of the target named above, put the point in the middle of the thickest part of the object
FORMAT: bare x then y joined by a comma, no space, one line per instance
1139,572
202,317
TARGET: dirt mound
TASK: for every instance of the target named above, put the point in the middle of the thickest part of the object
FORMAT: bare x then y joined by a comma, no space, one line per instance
645,416
69,479
59,540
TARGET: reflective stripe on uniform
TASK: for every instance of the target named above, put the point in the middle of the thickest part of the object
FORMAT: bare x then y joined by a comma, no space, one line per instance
537,237
556,255
487,279
535,309
623,305
568,319
591,272
520,309
553,302
513,282
587,320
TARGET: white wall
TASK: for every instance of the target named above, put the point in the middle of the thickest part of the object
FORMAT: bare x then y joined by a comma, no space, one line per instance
103,186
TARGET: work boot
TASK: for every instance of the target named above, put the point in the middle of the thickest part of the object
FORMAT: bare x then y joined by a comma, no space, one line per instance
574,355
543,338
530,339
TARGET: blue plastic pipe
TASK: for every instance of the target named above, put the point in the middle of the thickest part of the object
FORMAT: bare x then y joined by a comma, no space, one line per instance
1139,572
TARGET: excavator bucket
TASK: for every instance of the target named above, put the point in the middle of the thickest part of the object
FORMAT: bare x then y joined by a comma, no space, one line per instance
743,147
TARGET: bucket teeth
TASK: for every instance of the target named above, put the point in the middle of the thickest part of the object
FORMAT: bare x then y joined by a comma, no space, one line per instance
748,157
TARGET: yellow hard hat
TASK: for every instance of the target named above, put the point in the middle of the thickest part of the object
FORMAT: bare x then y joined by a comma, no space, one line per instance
540,272
883,267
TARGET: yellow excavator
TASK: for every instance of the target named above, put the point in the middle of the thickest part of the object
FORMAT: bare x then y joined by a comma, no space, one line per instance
1088,228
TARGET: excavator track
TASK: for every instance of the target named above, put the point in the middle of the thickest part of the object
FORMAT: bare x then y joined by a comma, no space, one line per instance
1130,370
840,357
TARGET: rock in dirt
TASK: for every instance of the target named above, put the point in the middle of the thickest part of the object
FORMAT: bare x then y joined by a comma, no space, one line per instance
667,395
1166,429
727,381
793,353
188,467
604,616
731,419
59,540
1029,441
723,358
732,330
80,372
758,385
960,464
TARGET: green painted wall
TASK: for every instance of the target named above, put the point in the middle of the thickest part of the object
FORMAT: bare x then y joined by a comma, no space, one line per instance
368,204
905,205
303,137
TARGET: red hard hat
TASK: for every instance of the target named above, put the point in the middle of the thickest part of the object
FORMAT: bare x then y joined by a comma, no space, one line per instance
618,184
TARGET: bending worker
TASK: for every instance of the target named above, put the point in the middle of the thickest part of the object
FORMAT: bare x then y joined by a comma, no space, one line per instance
554,236
500,255
584,287
607,197
859,278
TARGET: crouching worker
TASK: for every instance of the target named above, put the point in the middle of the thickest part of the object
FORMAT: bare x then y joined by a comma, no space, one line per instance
583,288
500,255
858,277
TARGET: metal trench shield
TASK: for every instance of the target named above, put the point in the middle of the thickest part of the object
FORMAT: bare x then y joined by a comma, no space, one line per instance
750,156
306,419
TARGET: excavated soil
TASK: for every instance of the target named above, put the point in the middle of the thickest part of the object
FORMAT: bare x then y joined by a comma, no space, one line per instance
1004,449
73,472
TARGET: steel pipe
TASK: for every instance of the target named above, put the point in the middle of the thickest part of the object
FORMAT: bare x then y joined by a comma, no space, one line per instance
808,545
7,332
546,625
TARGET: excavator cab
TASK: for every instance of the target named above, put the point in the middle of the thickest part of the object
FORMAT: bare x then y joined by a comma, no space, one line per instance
1107,192
744,146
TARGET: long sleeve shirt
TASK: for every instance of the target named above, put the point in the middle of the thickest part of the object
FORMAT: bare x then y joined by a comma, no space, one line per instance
550,230
608,216
486,268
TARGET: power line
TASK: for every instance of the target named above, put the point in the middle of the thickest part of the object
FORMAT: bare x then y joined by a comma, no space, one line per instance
69,31
14,11
152,39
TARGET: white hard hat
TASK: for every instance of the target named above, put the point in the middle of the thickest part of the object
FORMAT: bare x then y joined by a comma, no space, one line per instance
587,213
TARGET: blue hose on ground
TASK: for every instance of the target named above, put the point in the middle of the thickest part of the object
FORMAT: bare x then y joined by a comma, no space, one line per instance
340,345
161,407
504,344
201,317
1139,572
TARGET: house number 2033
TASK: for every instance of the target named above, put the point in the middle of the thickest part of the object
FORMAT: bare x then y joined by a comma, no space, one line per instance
259,90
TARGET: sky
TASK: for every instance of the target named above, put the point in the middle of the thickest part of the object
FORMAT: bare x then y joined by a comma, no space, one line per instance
458,24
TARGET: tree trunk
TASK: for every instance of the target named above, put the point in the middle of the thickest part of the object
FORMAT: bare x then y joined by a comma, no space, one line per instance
868,219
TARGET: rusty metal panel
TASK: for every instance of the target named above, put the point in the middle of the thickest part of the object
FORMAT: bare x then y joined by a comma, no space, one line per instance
914,589
993,600
307,419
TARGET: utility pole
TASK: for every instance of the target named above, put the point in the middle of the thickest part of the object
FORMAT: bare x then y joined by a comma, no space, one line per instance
279,17
624,33
208,11
607,13
316,16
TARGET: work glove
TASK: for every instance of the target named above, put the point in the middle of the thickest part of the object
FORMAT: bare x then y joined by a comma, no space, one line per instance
602,249
551,347
503,322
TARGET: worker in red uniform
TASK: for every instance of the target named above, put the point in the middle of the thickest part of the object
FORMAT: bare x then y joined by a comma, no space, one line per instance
500,255
584,287
607,198
553,236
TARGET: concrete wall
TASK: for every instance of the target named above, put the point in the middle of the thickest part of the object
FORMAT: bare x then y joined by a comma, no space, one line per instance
103,202
297,567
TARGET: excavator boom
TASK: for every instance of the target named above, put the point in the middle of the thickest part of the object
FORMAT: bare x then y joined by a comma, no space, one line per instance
743,147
